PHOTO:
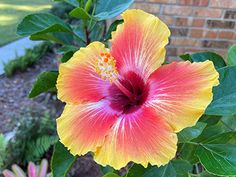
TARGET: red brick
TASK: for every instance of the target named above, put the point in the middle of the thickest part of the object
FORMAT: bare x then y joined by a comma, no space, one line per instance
181,22
198,22
205,12
184,42
220,24
169,20
223,3
171,51
194,2
230,14
179,31
204,3
216,44
151,8
163,1
178,10
198,33
226,35
210,34
180,50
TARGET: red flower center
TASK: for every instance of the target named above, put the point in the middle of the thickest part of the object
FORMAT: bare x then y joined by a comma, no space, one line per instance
138,92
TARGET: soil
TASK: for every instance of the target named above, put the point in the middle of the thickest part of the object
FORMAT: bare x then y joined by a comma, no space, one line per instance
14,99
14,93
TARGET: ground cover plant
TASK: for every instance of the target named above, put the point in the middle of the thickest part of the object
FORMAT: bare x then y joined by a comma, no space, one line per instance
31,139
31,57
127,107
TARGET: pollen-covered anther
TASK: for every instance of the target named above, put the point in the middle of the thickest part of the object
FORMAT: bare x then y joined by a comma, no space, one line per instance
106,67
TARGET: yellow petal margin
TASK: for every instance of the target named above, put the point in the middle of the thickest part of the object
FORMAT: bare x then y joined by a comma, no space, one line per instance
141,137
181,91
78,80
139,43
82,128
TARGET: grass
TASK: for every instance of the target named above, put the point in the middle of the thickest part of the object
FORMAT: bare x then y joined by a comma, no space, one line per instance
13,11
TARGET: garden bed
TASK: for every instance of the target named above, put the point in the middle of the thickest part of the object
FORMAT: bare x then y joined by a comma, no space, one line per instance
14,93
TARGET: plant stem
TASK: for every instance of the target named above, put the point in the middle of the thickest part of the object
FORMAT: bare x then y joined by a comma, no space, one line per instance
87,35
88,5
196,167
191,174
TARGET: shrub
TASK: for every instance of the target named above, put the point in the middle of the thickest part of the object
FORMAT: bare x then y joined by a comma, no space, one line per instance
33,136
30,57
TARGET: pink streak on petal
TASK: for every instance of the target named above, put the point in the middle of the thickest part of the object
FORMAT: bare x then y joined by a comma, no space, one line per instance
7,173
181,91
32,170
43,168
82,128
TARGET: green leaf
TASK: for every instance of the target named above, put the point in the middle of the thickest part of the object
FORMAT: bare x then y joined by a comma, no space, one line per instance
41,23
218,159
36,148
67,48
106,169
231,55
224,100
112,28
210,119
3,150
80,13
206,174
44,26
230,122
224,138
3,142
186,57
97,35
45,82
67,56
74,3
218,153
212,131
190,133
111,175
60,38
187,151
106,9
175,168
203,56
80,34
62,161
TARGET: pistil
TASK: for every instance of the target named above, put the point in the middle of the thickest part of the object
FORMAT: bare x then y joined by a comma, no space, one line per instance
124,89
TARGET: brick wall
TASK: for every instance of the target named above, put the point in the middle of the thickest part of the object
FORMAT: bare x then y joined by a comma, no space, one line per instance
196,25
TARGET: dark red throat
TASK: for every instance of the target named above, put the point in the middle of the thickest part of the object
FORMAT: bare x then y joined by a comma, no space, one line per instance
138,89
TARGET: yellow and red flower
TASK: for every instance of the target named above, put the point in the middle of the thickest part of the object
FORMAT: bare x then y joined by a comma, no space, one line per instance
122,104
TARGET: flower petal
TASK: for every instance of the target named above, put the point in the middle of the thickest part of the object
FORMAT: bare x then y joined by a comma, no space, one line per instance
139,42
78,80
140,137
181,91
82,128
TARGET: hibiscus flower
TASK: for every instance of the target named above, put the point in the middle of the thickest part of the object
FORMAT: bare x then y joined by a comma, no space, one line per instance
123,104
